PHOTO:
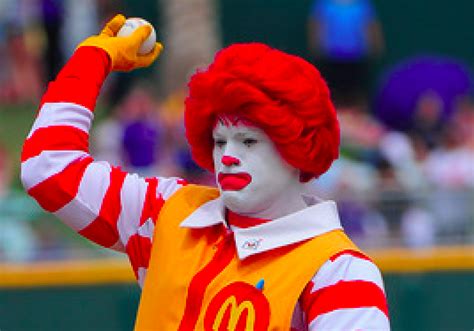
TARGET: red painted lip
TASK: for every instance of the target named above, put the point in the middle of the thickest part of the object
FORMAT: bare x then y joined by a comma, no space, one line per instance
234,182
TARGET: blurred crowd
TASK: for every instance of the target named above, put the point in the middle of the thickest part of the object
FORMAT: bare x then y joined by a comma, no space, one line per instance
406,172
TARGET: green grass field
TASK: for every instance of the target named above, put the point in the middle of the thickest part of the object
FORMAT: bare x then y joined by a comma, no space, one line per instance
14,125
15,122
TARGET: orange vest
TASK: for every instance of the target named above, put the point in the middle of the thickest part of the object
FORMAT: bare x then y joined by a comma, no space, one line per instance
195,281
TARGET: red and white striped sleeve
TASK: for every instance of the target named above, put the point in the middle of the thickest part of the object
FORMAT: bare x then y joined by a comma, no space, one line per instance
101,202
347,293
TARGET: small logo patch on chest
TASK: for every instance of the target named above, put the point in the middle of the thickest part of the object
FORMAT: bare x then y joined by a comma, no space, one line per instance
252,244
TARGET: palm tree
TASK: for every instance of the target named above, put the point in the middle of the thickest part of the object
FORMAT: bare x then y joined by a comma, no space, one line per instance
190,36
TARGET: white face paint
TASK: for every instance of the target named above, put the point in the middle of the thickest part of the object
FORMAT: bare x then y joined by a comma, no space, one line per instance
254,180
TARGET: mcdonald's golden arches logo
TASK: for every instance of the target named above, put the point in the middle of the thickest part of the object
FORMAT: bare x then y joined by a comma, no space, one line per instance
238,307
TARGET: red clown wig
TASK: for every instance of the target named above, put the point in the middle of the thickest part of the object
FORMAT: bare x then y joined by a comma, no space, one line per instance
282,94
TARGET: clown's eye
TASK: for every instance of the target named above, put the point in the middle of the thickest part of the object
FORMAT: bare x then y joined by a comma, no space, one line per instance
219,142
249,142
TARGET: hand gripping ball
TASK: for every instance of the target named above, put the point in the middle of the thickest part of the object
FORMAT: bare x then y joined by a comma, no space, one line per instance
133,23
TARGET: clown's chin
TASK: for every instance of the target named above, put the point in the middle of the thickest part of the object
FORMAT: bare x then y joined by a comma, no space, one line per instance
238,201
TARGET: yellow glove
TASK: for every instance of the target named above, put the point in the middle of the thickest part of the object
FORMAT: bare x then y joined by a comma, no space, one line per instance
123,51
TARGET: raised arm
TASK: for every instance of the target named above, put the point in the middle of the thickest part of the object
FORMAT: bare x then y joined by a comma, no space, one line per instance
101,202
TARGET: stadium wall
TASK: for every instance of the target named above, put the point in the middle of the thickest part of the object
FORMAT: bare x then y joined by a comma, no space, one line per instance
427,290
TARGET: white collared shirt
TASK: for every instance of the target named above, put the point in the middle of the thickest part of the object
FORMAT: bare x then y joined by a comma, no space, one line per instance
307,223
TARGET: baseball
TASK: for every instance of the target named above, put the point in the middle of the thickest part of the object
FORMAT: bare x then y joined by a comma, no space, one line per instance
130,25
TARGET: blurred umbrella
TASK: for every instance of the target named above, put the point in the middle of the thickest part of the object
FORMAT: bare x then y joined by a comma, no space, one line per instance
403,87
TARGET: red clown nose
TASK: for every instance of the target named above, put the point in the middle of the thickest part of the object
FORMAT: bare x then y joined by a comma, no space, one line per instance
230,160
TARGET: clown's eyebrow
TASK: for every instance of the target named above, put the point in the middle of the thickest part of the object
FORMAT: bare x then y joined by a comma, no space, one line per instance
216,135
238,135
246,134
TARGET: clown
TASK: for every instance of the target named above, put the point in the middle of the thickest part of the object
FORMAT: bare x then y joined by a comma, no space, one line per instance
258,252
